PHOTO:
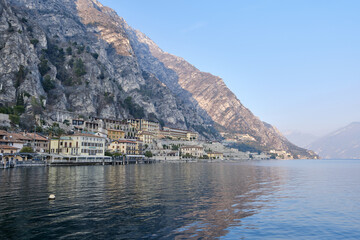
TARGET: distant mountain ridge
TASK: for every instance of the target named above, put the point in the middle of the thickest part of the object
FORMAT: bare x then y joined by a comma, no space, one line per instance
300,139
79,57
343,143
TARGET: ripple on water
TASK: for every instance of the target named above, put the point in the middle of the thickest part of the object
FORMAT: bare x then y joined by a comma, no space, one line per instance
261,200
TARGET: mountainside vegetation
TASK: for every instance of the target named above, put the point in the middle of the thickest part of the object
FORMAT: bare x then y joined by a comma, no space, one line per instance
79,58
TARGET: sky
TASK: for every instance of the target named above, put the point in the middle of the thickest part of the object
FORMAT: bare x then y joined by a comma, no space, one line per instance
294,64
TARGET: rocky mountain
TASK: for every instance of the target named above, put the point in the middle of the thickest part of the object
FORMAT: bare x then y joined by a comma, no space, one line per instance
74,58
210,95
80,58
341,144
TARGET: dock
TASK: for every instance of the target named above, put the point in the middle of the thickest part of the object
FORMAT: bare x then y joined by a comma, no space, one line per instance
45,159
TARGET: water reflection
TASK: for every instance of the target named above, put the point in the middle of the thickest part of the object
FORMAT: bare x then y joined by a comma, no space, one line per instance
236,192
173,201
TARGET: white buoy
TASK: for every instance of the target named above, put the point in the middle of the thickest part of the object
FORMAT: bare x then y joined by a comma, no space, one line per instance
52,197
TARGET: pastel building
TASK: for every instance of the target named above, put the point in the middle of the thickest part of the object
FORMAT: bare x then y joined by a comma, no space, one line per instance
79,144
145,125
126,147
195,151
215,155
115,134
146,137
181,134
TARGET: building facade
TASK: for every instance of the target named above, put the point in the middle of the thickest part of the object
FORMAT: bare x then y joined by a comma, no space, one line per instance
39,143
194,151
146,137
145,125
215,155
126,147
180,134
82,125
80,144
115,134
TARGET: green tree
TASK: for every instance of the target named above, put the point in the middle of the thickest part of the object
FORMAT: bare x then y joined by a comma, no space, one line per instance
26,149
134,109
108,154
79,68
18,110
69,51
14,119
148,154
47,83
34,42
43,66
66,122
117,154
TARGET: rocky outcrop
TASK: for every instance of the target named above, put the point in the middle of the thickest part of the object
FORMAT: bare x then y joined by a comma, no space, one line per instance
209,94
75,57
81,58
18,58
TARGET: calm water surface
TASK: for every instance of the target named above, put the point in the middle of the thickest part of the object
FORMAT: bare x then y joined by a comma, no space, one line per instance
299,199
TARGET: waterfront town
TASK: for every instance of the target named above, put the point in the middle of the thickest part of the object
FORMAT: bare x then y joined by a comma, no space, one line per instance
112,141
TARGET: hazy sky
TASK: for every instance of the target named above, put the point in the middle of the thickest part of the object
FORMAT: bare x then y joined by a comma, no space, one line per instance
295,64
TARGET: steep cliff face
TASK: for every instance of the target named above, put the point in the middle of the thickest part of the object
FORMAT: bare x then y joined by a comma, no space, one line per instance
81,58
18,58
75,57
210,94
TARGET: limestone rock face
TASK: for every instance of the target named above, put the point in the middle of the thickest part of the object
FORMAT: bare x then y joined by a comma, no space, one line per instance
18,58
209,94
83,50
77,57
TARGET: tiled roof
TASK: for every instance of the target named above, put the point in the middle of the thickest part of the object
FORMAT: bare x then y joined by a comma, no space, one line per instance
37,136
125,141
10,141
3,132
8,147
19,136
84,135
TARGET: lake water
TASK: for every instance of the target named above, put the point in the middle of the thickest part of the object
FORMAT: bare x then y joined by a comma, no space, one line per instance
297,199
